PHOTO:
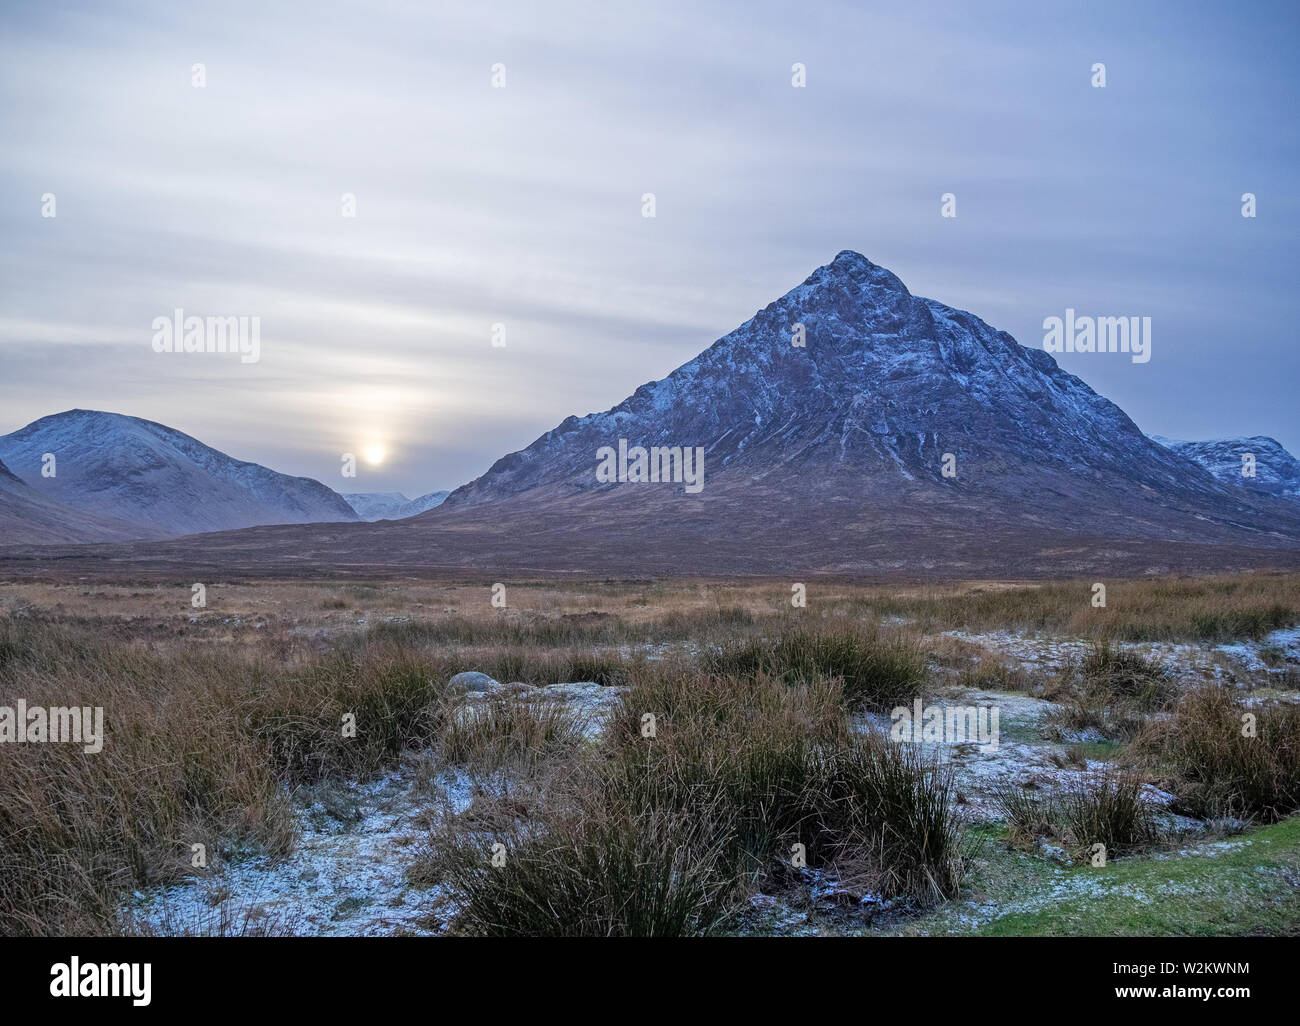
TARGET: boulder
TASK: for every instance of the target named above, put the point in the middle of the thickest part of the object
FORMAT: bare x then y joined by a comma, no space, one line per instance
472,681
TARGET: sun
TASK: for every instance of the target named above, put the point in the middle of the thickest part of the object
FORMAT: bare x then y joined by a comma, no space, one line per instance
375,454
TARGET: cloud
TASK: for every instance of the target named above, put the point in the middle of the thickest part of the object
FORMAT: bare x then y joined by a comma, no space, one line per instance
521,206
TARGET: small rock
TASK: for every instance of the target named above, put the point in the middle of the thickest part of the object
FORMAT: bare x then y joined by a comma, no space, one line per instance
473,681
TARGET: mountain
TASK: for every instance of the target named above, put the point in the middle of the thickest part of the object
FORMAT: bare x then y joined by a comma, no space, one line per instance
822,459
155,480
861,419
1277,472
391,505
28,517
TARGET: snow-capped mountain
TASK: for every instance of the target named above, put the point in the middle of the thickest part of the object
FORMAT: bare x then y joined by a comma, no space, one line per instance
886,392
901,438
158,480
28,517
391,505
1275,471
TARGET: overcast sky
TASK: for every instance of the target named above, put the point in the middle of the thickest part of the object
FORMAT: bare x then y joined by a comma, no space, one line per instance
522,205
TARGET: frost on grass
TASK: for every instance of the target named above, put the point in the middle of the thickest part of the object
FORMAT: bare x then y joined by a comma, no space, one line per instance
345,877
348,872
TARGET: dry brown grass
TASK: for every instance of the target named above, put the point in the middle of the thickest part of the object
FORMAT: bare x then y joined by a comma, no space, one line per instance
1215,607
200,745
214,715
1220,766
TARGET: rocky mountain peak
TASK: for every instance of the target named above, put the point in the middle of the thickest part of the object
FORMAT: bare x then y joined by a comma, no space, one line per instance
850,382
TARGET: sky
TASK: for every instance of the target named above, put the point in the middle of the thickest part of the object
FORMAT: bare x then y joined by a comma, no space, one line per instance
521,205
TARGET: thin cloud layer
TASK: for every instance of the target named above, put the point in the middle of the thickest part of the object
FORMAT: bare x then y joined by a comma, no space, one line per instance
522,206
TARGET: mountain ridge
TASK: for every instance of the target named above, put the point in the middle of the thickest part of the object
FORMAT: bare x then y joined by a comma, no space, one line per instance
160,480
1275,470
371,506
884,387
830,458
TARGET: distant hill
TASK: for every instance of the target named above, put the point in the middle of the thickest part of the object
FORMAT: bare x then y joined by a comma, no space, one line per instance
1277,472
391,505
28,517
151,480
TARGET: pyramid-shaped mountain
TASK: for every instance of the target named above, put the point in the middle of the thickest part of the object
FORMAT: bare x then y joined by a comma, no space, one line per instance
902,438
894,408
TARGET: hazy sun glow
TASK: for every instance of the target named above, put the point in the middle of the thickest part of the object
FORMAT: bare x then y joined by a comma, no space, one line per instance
375,454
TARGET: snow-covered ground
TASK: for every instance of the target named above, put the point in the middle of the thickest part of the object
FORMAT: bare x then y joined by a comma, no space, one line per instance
1050,654
347,874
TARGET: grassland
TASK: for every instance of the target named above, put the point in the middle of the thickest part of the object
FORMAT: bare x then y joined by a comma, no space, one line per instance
769,734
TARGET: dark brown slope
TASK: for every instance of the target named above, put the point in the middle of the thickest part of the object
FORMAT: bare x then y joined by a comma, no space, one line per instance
629,541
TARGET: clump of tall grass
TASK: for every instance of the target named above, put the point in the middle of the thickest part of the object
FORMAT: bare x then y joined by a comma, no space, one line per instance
509,731
1131,675
609,869
1097,807
1228,760
393,697
1111,691
665,834
878,673
199,747
540,666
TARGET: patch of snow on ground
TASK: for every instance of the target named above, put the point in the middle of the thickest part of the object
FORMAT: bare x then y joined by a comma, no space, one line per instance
345,876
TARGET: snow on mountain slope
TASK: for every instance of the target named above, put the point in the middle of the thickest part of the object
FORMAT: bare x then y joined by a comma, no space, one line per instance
28,517
161,481
862,416
1276,471
391,505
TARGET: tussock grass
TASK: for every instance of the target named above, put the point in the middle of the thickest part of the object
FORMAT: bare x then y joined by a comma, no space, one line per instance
181,767
1126,673
298,717
878,673
1095,808
666,835
1112,691
1219,772
541,666
619,869
200,747
509,731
